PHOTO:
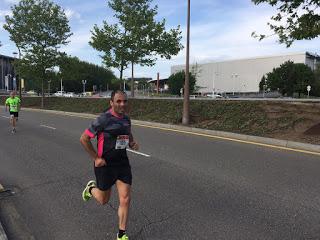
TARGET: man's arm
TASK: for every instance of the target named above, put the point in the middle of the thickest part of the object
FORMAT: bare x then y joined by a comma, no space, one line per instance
132,143
19,105
85,141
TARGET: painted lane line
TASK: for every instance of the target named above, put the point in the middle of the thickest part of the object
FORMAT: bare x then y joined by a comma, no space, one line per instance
5,117
139,153
45,126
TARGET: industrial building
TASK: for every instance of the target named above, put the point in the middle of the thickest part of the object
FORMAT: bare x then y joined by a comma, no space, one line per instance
242,75
7,74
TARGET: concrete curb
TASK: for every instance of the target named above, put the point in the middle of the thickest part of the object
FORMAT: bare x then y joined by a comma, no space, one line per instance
271,142
3,235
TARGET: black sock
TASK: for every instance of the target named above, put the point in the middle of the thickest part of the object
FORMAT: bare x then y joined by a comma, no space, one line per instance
90,188
121,233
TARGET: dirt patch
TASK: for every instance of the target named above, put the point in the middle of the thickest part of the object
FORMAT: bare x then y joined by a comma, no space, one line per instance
314,130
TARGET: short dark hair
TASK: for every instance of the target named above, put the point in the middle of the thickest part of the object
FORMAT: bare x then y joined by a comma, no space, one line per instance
114,92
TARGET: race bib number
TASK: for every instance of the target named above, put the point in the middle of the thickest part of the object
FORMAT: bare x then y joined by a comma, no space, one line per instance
122,141
14,108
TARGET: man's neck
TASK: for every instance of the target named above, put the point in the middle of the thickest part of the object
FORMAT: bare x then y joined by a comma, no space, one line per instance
118,115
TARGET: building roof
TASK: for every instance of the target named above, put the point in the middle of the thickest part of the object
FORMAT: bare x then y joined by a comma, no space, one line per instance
313,55
4,56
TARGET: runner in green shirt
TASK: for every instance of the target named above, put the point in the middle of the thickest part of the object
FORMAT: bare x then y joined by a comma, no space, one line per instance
13,102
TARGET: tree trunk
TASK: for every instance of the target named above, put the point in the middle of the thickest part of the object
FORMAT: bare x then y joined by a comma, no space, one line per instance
42,93
19,77
132,80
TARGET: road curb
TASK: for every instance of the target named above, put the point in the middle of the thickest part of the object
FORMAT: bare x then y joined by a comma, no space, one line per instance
3,235
271,142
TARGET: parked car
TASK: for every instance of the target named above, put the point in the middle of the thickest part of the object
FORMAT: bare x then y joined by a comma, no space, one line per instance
32,93
59,94
214,95
69,94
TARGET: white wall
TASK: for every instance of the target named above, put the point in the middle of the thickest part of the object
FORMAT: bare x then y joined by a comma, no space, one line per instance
241,75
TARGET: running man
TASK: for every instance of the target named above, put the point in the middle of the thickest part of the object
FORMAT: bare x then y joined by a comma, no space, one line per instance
13,102
111,164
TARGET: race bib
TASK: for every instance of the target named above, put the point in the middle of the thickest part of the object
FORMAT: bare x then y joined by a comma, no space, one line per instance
122,142
14,108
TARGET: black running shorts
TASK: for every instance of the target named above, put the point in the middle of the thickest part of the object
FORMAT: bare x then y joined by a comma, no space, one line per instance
15,114
106,176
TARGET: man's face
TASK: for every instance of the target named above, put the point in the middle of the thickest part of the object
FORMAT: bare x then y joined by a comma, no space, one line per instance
119,103
12,94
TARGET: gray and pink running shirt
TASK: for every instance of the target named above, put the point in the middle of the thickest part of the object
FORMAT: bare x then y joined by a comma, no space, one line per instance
112,132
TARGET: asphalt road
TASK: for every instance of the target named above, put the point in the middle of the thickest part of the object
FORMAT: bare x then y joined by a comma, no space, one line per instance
190,187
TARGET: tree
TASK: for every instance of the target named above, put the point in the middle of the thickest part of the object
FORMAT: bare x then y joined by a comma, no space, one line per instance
112,41
295,20
262,84
176,82
137,38
39,28
73,71
315,86
290,78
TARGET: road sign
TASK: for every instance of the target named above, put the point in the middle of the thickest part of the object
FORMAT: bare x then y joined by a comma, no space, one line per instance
308,88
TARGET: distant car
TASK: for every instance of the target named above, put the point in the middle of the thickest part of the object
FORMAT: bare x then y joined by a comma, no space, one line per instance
31,92
214,95
69,94
59,94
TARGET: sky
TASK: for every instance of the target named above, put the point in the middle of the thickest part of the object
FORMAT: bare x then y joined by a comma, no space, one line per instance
219,30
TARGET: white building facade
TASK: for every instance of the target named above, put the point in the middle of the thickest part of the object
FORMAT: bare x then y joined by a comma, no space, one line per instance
243,75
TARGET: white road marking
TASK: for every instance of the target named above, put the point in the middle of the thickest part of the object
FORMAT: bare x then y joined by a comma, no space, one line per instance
5,117
139,153
48,127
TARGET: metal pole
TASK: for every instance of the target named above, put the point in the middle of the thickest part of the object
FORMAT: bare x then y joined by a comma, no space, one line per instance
49,81
185,117
20,82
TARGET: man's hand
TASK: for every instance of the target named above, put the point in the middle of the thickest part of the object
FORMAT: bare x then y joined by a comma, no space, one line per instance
134,145
100,162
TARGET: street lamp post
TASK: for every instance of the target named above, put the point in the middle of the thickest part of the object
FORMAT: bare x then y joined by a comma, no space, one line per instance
14,79
19,77
186,107
49,81
84,86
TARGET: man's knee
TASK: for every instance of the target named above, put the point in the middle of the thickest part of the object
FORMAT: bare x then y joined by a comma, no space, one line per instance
101,197
124,200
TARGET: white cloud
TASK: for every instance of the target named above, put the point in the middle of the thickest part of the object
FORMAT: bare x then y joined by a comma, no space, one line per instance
11,1
5,12
72,14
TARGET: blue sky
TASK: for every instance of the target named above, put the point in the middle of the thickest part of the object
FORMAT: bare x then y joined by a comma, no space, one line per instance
220,30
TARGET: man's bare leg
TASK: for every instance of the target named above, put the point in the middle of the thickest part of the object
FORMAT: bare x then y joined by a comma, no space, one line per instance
124,191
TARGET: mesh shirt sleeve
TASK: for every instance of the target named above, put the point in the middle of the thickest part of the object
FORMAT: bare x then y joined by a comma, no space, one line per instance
96,126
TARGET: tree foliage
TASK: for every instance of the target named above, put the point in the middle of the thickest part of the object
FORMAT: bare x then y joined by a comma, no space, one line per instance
137,38
176,82
38,28
315,88
295,20
72,72
290,78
